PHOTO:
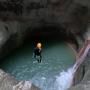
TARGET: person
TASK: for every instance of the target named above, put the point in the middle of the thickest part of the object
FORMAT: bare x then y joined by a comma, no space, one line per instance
37,52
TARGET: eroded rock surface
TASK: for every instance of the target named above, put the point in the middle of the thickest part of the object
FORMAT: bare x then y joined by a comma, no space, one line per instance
82,77
18,17
8,82
72,14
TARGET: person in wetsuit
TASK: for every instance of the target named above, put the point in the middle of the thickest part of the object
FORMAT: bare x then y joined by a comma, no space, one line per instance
37,52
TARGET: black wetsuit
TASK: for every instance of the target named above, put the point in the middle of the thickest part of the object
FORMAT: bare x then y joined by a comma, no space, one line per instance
37,52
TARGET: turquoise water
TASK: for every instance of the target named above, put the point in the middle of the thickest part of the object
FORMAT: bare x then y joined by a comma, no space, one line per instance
56,57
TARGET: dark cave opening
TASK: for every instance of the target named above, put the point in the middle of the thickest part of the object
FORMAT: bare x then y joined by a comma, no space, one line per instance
51,33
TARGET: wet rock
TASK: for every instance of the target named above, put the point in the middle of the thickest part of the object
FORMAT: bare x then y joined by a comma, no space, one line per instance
82,76
25,85
8,82
81,87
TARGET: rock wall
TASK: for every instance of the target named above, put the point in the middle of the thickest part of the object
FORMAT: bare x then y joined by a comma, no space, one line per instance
18,17
11,36
8,82
82,76
68,13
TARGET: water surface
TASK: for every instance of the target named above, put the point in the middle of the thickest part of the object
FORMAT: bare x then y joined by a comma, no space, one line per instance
56,57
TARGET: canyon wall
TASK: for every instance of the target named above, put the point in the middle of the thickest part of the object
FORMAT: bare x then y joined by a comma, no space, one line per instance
8,82
70,14
18,17
82,76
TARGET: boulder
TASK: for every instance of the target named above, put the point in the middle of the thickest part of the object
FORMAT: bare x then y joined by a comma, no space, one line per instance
7,82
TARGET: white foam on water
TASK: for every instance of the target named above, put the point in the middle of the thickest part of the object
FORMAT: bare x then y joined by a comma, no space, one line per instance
64,80
43,78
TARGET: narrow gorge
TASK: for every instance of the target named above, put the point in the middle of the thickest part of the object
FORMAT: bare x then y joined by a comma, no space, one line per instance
62,26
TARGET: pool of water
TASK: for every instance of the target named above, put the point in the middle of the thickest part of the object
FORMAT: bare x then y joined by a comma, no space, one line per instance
56,57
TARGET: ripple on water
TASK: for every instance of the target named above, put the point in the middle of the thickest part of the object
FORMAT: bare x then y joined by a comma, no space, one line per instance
56,57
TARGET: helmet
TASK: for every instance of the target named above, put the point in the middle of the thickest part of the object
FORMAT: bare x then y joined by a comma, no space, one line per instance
39,45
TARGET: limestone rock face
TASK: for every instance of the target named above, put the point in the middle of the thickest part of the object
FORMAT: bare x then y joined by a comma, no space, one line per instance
8,82
18,17
68,13
25,85
84,2
10,36
82,77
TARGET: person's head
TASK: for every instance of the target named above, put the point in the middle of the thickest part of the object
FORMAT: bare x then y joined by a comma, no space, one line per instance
39,45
